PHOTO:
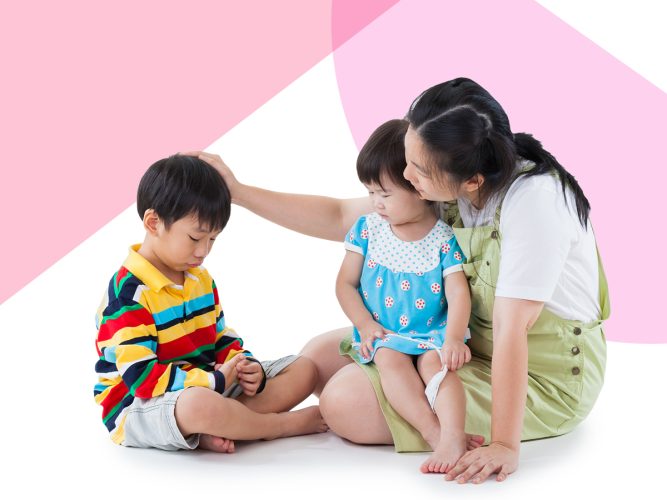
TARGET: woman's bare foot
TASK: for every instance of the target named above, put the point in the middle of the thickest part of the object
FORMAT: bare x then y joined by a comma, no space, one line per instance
217,444
447,452
300,422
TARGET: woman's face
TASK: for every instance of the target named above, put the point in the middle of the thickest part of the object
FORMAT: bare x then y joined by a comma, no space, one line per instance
417,171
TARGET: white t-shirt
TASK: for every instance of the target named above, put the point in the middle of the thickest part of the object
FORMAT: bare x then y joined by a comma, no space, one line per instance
545,253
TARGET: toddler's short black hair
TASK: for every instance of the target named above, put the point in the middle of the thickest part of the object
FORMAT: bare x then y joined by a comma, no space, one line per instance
384,152
180,186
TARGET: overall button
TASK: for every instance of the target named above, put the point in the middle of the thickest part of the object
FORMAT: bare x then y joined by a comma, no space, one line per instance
576,370
575,350
577,330
494,234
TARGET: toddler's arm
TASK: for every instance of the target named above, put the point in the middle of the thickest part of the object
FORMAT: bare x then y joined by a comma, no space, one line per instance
455,352
347,285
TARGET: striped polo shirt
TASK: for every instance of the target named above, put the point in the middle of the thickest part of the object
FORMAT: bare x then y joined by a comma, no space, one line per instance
154,336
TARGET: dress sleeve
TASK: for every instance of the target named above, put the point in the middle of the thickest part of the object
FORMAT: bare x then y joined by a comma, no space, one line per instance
127,337
451,257
357,237
537,234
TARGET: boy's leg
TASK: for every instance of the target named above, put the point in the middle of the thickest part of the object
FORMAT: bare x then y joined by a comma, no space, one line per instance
203,411
450,408
285,390
405,392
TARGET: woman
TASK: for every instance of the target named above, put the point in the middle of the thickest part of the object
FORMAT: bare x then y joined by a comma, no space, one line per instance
539,294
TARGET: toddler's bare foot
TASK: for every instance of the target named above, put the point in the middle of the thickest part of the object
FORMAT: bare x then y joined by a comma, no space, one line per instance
446,453
217,444
300,422
474,441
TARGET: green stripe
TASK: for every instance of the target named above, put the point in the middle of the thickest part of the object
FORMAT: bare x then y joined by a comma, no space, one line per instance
207,347
113,411
143,377
120,312
120,285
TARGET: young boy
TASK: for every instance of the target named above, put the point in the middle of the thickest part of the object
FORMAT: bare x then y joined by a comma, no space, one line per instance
172,375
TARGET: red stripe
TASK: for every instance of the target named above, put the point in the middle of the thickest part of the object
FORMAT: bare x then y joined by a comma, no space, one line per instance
145,390
188,343
222,355
113,398
134,318
120,275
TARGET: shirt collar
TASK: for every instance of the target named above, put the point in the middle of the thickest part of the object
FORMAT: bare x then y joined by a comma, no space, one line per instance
144,270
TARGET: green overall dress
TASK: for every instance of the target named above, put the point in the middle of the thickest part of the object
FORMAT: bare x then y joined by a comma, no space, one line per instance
566,359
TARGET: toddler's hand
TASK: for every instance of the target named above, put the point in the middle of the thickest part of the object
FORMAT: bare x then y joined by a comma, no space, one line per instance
369,332
455,353
250,375
228,369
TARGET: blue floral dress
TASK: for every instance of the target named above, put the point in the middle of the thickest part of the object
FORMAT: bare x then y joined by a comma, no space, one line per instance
402,283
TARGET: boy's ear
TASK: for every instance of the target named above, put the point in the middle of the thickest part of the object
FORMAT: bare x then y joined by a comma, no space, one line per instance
151,221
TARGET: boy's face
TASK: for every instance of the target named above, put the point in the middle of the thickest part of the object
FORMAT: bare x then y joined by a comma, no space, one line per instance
394,203
184,245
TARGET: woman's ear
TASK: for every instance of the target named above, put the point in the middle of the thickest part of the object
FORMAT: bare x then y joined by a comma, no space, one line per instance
473,184
151,221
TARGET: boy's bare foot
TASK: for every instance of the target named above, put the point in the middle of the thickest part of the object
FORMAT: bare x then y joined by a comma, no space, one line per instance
300,422
446,453
217,444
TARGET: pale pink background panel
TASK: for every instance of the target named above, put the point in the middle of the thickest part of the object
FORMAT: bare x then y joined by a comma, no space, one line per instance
604,122
93,93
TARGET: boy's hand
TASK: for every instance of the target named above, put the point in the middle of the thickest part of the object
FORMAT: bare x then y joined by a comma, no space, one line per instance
369,331
455,353
250,375
228,369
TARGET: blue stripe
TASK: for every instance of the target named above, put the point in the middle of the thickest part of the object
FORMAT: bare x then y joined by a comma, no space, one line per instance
109,354
176,312
179,379
220,325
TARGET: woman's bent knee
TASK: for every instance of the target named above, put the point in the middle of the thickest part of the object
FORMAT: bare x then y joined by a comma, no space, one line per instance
351,410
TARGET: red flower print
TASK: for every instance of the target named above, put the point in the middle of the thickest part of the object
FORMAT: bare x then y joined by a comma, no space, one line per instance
389,301
364,234
371,263
445,248
457,255
420,303
378,282
403,320
435,288
405,285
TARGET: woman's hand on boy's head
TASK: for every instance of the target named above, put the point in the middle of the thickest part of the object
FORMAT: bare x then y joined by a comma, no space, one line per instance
455,353
216,162
250,375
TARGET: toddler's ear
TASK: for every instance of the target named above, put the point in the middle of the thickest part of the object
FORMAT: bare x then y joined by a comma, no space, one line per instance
151,220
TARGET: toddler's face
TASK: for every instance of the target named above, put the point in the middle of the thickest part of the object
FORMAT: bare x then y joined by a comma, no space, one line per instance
394,203
185,244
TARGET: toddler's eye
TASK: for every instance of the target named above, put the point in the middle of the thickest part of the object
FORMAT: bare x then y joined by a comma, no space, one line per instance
193,239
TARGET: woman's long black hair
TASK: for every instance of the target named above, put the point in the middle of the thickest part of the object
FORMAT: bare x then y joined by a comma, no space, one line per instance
467,132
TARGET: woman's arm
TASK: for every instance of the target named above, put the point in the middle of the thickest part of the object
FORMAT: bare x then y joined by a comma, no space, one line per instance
512,318
319,216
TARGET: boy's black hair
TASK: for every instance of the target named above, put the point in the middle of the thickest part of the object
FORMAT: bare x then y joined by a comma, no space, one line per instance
180,186
384,152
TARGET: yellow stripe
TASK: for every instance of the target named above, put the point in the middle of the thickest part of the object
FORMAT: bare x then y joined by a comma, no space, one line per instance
161,386
129,333
183,329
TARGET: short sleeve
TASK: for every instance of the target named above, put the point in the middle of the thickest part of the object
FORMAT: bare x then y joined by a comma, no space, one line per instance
356,239
536,237
451,259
